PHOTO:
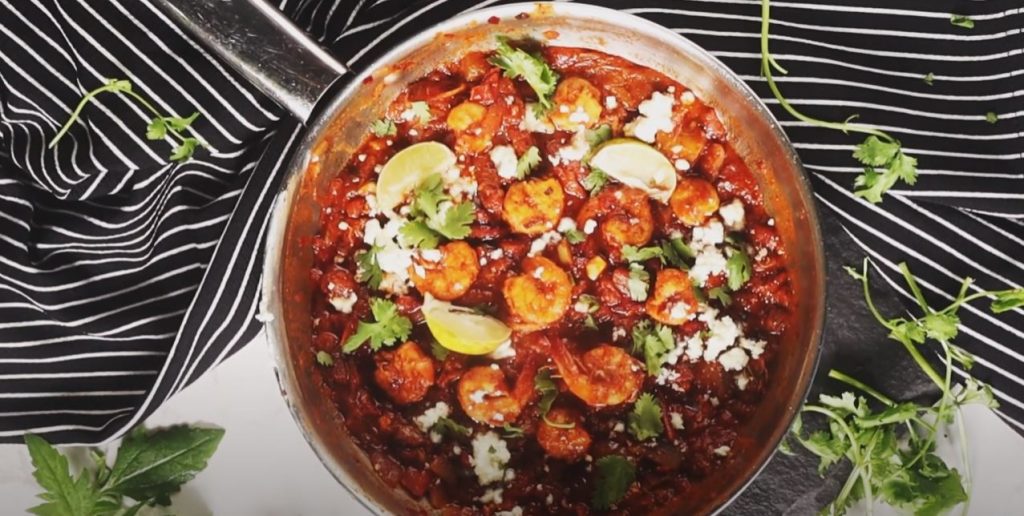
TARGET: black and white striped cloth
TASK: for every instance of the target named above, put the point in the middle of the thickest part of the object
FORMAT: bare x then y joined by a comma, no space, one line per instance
124,278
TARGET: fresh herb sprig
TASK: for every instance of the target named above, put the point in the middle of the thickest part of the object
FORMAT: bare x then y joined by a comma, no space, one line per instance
615,474
388,327
517,63
885,162
151,465
892,449
434,216
653,341
160,126
644,422
545,385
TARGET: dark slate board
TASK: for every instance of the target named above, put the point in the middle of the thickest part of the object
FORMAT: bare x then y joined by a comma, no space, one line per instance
856,344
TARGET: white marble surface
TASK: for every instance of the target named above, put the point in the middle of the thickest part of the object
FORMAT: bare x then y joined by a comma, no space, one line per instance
264,467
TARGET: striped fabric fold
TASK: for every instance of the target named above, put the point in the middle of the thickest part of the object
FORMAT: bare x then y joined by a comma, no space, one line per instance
123,278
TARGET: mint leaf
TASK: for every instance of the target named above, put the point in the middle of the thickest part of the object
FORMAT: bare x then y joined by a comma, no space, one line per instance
153,465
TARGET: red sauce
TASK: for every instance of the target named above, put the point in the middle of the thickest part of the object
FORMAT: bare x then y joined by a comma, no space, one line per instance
703,405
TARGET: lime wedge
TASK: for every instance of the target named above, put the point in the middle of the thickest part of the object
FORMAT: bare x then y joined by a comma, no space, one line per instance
463,330
407,169
634,163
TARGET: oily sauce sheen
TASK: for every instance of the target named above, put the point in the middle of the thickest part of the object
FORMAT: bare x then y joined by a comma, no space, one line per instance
598,373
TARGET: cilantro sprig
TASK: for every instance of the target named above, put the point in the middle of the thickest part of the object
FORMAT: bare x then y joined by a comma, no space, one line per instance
739,268
545,385
644,422
151,465
654,342
595,180
433,216
383,127
160,126
892,448
879,174
639,282
527,162
368,268
615,474
519,64
388,327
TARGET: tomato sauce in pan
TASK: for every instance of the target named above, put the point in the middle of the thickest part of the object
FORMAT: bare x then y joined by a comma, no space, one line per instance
643,322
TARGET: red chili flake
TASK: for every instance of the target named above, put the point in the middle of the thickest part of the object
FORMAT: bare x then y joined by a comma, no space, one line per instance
368,79
494,20
522,16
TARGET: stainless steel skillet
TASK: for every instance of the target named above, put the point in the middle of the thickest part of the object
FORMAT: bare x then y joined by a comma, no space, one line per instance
337,105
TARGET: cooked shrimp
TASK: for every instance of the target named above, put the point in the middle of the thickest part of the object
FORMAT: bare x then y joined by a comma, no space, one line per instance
568,444
405,374
577,104
535,206
473,128
445,273
605,375
694,200
539,296
485,396
685,142
624,214
673,301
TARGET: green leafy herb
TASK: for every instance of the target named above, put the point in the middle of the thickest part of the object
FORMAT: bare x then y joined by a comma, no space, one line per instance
595,180
614,476
961,20
433,216
638,283
527,162
588,303
879,175
575,236
512,432
388,327
545,385
446,426
929,78
598,135
416,233
655,342
519,64
892,448
383,127
421,111
677,253
738,268
150,467
368,269
159,127
324,358
635,254
645,420
720,294
440,352
991,117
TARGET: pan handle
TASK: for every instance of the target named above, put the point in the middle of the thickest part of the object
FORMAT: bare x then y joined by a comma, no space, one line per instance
264,46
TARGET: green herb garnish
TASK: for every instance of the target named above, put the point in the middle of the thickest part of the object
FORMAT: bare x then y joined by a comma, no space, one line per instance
421,111
595,180
545,385
638,283
575,236
527,162
433,216
367,268
644,422
720,294
677,253
383,127
388,327
324,358
446,426
991,117
519,64
642,254
654,342
614,476
738,268
929,79
961,20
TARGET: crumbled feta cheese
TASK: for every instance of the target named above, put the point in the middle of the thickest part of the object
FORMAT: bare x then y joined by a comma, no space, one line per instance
543,241
419,271
343,226
430,255
534,124
709,262
504,159
722,334
762,253
344,304
504,350
755,347
478,396
371,231
655,116
618,333
413,132
396,261
734,359
694,347
516,511
550,499
732,215
579,116
619,427
576,150
677,420
457,450
610,102
589,226
566,224
667,376
430,417
395,284
771,221
722,451
710,234
682,165
741,381
538,272
491,496
496,254
678,310
490,455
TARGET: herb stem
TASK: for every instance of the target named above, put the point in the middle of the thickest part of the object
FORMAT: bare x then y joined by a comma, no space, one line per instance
110,86
843,377
914,288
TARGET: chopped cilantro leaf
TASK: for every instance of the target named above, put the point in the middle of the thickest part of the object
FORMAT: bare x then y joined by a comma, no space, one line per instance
595,180
929,79
644,422
738,268
721,295
445,426
433,216
885,164
598,135
388,327
324,358
588,302
961,20
575,236
639,282
519,64
368,269
991,117
654,342
416,233
1007,300
421,111
874,152
512,432
635,254
545,385
614,476
440,352
527,162
677,253
383,127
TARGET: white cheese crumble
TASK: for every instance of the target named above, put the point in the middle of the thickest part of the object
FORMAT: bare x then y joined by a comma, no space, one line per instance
619,427
490,455
709,262
722,451
610,102
491,496
516,511
504,159
682,165
741,381
566,224
576,150
688,97
344,304
430,255
733,215
722,333
710,234
677,420
504,350
579,116
534,124
694,347
543,241
655,116
589,226
429,418
755,347
478,396
734,359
